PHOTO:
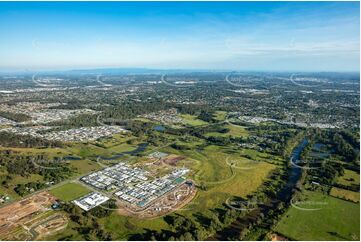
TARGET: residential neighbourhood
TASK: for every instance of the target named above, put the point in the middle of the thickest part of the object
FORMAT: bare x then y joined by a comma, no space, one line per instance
71,135
169,116
43,113
133,184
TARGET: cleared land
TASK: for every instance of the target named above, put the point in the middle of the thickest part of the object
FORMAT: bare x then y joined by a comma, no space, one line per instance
220,115
335,219
69,191
234,130
222,182
192,120
349,178
345,194
26,219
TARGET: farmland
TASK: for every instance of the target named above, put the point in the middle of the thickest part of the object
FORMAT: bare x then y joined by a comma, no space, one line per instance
345,194
349,178
332,219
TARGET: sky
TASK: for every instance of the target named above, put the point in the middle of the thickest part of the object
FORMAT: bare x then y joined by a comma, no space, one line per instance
254,36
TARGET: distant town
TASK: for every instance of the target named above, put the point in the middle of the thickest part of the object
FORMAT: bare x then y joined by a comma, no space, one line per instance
189,153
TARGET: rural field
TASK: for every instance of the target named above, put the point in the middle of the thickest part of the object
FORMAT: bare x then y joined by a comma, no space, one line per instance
192,120
345,194
69,191
321,217
349,178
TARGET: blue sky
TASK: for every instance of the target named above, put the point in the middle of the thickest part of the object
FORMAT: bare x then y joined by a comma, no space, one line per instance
269,36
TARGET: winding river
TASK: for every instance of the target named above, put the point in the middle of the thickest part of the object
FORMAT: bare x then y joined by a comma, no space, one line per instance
284,195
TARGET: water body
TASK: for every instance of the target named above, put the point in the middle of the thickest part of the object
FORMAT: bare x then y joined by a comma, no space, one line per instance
159,128
284,195
294,173
71,158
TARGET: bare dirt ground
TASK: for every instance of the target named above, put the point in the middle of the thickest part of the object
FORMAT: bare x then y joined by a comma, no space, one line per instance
18,219
49,226
172,160
277,237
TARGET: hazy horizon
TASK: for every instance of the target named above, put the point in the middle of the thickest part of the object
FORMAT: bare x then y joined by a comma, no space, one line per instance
142,70
241,36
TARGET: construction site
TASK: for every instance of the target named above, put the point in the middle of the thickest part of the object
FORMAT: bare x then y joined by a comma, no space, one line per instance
169,202
31,218
154,187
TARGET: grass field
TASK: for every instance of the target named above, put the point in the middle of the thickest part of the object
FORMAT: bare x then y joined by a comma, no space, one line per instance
210,168
130,225
93,150
220,115
84,166
48,152
237,131
66,234
69,191
345,194
335,219
234,130
349,178
115,140
192,120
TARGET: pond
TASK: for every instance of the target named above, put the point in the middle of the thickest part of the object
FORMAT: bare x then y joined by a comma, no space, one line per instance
159,128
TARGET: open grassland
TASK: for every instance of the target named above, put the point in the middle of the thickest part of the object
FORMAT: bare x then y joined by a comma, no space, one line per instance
192,120
345,194
220,115
84,166
69,191
212,168
234,130
93,150
69,233
349,178
48,152
130,225
105,147
115,140
331,219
